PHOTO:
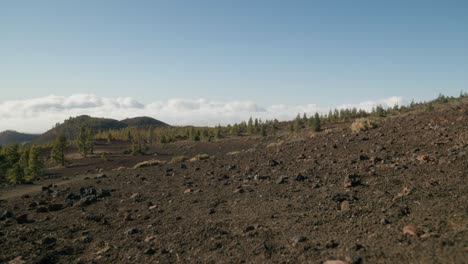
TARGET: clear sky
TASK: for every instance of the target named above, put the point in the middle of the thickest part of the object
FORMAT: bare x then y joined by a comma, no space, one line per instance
267,51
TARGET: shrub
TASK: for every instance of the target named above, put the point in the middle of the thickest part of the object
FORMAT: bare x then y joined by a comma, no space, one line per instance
362,124
429,107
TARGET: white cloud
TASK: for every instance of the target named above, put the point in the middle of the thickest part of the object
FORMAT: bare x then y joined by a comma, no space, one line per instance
40,114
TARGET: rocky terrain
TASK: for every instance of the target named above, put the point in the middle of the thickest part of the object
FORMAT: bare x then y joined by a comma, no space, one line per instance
397,193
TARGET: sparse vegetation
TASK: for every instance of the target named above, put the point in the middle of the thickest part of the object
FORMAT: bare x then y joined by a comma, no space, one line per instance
362,124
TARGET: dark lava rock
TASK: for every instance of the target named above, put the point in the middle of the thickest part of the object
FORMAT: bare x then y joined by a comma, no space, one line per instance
55,207
49,241
300,177
183,166
87,191
23,219
6,214
42,209
150,251
104,193
88,200
332,244
73,197
282,179
273,163
340,197
352,180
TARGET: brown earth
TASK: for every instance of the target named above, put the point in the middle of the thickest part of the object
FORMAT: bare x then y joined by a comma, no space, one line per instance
393,194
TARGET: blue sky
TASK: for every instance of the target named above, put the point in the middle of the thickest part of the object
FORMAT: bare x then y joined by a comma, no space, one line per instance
270,52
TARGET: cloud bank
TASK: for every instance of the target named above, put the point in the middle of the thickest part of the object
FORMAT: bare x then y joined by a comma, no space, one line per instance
40,114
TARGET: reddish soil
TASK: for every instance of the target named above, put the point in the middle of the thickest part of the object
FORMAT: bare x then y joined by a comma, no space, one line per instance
394,194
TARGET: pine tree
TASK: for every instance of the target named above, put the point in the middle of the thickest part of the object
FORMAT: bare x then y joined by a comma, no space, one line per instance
15,173
263,131
35,163
85,141
250,126
109,137
298,123
57,153
3,167
316,123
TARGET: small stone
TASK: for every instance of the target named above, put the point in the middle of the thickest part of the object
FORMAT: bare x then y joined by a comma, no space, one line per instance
299,239
150,251
345,206
302,156
411,230
300,178
17,260
282,180
87,238
273,163
131,231
239,190
188,191
100,176
150,239
136,197
249,228
128,217
384,221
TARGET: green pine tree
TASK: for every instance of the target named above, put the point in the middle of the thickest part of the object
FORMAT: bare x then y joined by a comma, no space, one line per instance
57,153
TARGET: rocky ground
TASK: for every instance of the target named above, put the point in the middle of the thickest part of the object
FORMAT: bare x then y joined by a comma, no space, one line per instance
393,194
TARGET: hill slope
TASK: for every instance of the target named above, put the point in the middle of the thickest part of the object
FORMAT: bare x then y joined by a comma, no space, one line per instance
12,137
71,127
143,121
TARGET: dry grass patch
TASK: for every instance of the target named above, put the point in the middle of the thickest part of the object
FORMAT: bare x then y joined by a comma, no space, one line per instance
148,163
200,157
362,124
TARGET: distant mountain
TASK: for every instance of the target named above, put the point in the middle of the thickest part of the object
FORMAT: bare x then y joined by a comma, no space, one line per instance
71,127
143,121
12,137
